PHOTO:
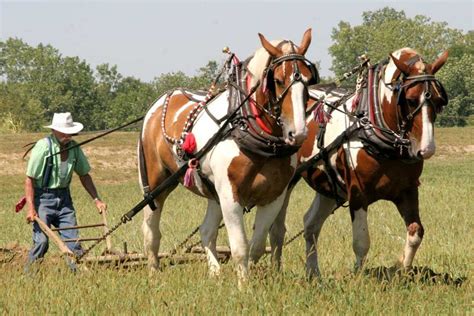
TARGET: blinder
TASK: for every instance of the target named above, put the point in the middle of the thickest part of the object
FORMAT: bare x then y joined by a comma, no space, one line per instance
315,78
429,81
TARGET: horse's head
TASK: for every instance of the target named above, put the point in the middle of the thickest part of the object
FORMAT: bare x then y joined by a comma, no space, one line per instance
415,98
284,74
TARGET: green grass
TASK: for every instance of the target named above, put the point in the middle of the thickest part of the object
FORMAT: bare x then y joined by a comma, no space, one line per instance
445,202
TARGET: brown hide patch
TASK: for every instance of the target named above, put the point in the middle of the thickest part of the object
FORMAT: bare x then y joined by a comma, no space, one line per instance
257,180
370,181
176,103
319,181
158,152
315,177
385,179
413,228
158,157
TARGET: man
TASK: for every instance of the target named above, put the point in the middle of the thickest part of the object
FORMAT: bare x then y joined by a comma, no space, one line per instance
47,184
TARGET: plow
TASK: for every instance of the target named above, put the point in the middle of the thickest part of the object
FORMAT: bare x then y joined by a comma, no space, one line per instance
112,257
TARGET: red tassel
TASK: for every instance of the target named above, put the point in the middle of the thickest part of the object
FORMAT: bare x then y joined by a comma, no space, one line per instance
188,181
189,178
321,116
20,204
189,144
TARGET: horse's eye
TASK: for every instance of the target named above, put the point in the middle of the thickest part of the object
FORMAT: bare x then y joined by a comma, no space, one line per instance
279,82
412,102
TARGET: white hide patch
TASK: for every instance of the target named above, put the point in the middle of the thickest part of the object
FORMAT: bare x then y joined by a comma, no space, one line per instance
181,110
338,123
158,103
299,113
205,128
428,145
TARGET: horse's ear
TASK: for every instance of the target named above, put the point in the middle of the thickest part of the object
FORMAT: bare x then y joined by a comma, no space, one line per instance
401,65
305,42
272,50
438,63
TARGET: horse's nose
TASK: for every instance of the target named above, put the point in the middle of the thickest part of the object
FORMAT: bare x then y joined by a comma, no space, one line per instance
426,153
296,139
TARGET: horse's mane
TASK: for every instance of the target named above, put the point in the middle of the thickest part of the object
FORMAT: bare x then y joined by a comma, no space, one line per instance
260,59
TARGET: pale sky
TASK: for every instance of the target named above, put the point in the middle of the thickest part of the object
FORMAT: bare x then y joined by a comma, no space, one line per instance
148,38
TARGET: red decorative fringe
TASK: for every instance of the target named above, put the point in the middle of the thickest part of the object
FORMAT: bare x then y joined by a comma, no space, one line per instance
189,144
20,204
321,116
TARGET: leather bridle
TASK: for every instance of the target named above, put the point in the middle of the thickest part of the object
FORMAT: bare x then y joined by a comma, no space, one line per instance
274,103
403,84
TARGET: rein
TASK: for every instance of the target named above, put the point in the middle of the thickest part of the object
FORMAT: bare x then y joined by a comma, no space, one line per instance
88,140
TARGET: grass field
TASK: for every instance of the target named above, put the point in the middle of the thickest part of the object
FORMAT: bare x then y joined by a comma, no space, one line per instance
447,249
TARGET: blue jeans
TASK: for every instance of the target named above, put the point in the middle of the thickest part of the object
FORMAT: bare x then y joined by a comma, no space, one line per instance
55,208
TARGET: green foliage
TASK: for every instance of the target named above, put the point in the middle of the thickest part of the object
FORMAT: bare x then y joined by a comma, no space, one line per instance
40,76
38,81
131,100
386,30
459,82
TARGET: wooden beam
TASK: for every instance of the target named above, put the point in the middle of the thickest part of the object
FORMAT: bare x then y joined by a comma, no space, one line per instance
108,241
54,237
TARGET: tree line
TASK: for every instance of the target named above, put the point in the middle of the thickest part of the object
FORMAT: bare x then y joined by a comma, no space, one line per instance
38,81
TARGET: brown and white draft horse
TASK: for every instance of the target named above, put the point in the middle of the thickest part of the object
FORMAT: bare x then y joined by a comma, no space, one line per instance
238,171
381,159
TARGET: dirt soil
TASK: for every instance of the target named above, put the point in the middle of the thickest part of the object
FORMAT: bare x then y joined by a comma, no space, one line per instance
13,254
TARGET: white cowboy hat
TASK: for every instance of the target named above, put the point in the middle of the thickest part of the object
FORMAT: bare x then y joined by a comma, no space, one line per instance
62,122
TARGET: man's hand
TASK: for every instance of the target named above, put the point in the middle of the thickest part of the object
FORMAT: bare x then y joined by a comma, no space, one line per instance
101,206
30,216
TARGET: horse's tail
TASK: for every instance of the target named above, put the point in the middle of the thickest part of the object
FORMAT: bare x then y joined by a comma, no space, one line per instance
142,172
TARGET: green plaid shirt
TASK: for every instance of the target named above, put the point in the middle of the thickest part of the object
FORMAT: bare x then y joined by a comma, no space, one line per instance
76,161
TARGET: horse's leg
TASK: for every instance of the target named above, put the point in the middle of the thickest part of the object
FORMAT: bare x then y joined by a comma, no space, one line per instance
152,235
232,213
264,218
233,218
360,236
209,230
408,206
277,233
151,228
314,219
